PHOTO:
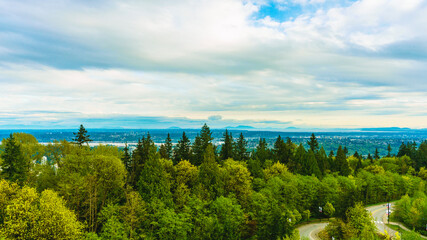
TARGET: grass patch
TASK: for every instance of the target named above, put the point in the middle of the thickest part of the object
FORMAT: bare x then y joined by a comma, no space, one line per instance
405,234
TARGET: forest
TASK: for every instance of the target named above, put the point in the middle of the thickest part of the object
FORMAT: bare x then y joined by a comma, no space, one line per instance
196,190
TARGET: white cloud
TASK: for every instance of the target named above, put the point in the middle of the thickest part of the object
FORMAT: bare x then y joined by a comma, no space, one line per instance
205,58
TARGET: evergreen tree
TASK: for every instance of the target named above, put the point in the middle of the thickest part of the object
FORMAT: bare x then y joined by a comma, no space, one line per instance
227,147
314,145
201,142
356,155
331,161
280,151
389,150
341,162
136,164
168,145
14,166
81,136
322,160
240,150
126,158
377,154
402,150
155,180
165,149
295,165
421,156
162,151
370,158
140,157
358,165
290,147
182,150
209,174
262,152
309,165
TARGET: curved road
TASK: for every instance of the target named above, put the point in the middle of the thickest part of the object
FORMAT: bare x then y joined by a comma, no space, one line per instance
378,212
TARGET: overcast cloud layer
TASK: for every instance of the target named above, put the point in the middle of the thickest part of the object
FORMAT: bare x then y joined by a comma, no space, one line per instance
302,63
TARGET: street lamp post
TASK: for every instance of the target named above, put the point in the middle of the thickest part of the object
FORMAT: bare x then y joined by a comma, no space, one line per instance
388,212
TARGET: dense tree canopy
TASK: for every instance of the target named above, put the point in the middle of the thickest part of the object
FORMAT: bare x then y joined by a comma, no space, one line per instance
184,191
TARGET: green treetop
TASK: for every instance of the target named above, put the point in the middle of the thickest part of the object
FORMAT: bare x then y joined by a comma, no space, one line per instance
241,153
227,146
341,162
14,167
182,150
201,142
81,136
314,145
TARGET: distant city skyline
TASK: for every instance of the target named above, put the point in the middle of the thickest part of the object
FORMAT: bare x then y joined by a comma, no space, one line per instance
267,64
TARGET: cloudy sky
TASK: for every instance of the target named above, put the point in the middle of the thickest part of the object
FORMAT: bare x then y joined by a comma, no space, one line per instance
163,63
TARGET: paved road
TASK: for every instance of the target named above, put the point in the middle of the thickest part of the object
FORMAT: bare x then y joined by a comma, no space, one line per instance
378,212
311,230
380,218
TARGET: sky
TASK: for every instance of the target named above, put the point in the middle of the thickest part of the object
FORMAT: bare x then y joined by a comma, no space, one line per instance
161,63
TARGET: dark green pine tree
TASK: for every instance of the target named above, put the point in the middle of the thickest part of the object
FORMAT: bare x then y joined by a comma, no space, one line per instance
295,165
201,142
262,152
421,156
309,165
314,145
341,162
356,155
126,158
136,164
358,165
140,156
240,149
322,160
402,150
197,151
147,146
227,147
182,150
389,150
169,146
280,151
290,147
370,158
81,136
165,150
14,167
377,154
162,151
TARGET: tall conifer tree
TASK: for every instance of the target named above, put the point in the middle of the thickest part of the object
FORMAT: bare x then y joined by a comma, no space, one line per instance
341,162
182,150
240,151
227,147
14,166
81,136
314,145
280,150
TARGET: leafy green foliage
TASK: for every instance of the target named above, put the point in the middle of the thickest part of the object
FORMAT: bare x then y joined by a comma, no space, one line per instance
30,215
113,194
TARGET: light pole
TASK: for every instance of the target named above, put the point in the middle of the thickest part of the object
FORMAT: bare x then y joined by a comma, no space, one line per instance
388,212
